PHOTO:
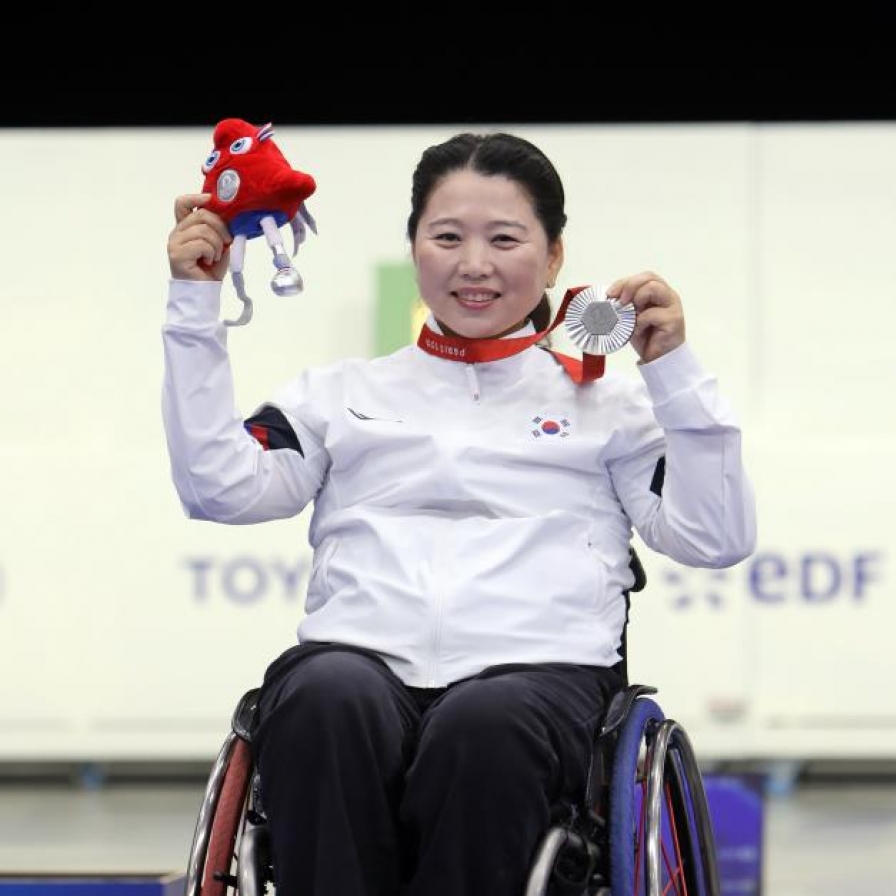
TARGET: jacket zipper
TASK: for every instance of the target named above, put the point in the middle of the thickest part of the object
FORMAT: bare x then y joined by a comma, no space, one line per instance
442,579
472,381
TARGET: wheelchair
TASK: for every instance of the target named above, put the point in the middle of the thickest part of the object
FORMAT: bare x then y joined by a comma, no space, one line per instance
642,827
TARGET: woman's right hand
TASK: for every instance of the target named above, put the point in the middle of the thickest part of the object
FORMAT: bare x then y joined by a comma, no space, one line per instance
199,244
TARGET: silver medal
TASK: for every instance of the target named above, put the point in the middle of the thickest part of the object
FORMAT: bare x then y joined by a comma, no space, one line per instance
598,325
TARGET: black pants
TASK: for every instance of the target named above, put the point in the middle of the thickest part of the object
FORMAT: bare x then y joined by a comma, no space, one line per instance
372,788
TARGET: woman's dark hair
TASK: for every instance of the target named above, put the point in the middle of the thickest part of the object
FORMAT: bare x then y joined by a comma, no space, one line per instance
492,155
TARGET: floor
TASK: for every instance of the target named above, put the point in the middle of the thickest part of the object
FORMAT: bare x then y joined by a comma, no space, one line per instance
821,837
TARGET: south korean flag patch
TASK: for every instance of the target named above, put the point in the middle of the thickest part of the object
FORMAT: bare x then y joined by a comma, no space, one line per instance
550,427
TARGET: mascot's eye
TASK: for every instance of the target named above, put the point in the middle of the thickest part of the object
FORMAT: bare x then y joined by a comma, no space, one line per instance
243,145
210,161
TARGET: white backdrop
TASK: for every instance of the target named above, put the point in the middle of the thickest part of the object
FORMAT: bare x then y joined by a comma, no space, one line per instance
127,631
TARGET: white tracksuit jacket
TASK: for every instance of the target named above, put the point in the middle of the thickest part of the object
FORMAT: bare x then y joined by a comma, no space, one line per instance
465,514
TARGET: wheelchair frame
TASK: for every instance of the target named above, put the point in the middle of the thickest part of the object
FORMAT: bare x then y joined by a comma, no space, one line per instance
643,827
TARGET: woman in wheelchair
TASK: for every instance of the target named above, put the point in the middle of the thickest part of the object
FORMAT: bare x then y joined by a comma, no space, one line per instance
475,497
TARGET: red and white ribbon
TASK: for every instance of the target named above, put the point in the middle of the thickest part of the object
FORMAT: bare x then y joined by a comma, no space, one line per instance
477,351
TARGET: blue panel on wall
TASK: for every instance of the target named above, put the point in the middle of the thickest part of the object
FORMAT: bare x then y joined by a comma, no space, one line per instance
736,807
92,885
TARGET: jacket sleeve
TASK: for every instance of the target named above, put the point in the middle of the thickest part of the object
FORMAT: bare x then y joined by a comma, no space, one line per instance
681,477
221,470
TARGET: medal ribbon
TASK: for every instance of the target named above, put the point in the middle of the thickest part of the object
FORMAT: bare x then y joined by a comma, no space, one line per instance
477,351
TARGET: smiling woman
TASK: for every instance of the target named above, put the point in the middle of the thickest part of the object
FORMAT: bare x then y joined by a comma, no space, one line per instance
483,258
476,198
475,502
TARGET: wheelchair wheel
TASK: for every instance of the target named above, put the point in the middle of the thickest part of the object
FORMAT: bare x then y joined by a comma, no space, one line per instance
221,817
673,761
660,831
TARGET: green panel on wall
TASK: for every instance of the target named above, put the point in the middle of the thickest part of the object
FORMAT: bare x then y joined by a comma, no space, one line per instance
396,299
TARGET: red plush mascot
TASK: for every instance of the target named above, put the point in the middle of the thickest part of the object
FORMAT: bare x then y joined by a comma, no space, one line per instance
256,192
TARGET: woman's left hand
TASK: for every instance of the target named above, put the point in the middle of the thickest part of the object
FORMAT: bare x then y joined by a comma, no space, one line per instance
660,318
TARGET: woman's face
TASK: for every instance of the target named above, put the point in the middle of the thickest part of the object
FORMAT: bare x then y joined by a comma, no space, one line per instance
482,257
